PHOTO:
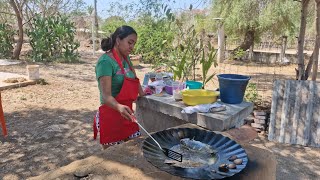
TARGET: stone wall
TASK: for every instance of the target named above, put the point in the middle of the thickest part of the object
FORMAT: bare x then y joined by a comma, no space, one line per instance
270,57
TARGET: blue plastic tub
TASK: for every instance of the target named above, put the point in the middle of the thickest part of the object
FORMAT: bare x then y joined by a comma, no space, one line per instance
193,85
232,87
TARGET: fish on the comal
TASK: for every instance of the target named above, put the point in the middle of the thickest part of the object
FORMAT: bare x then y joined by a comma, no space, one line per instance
194,154
197,146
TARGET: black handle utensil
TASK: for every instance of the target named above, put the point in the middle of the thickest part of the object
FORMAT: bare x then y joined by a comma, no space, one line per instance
169,153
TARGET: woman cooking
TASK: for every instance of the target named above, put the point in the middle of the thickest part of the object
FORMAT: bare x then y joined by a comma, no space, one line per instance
119,87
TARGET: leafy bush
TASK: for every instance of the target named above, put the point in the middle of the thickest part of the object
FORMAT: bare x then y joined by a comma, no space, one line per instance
190,49
53,39
239,54
6,41
251,94
154,40
154,36
112,23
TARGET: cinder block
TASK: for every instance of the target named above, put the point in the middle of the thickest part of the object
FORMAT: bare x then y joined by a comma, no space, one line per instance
259,113
261,117
260,121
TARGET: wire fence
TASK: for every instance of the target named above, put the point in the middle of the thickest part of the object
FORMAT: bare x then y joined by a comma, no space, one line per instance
270,44
262,74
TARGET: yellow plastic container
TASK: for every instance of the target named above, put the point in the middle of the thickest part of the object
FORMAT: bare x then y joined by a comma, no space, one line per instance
194,97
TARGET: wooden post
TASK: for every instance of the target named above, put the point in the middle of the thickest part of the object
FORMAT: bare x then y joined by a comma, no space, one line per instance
221,44
251,53
93,33
315,62
283,49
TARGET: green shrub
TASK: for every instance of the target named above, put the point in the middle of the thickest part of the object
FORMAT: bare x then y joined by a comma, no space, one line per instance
251,94
154,40
53,39
6,41
239,54
111,24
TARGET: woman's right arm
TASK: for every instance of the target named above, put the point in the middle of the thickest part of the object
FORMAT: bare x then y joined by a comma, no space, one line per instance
109,100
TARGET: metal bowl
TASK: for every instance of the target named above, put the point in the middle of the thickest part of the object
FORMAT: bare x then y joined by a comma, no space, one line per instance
168,138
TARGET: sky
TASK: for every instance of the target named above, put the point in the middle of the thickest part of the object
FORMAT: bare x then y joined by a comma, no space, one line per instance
102,5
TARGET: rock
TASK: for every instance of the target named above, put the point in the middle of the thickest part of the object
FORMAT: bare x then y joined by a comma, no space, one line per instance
232,166
81,173
238,161
223,168
232,158
259,113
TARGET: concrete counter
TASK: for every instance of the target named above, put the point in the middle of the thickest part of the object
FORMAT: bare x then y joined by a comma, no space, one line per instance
158,113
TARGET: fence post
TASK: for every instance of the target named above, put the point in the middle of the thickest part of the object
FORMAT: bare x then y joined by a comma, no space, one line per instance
93,34
283,48
221,45
251,53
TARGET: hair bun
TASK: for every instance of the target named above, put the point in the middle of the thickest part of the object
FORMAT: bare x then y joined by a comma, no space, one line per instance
106,44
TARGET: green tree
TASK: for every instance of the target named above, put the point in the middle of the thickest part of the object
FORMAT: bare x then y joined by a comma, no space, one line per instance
79,8
6,14
136,9
17,8
155,39
249,19
25,10
6,40
111,24
53,39
154,36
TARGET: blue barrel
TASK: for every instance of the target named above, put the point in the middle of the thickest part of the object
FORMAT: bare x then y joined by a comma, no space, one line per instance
232,87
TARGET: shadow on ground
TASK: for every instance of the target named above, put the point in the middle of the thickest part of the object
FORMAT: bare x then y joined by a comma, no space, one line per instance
294,162
50,138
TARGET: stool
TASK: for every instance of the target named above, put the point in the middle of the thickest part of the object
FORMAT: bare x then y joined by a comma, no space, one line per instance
2,121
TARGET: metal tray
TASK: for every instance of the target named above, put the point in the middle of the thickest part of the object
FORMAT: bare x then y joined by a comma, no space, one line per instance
225,148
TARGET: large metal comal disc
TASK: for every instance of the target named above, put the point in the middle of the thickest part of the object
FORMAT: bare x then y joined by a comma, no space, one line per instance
224,146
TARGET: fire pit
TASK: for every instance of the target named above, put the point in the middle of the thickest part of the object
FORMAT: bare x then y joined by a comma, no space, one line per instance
229,157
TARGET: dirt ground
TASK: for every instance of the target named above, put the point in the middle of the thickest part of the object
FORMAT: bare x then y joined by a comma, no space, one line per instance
49,125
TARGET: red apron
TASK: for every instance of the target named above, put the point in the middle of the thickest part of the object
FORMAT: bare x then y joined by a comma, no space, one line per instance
114,127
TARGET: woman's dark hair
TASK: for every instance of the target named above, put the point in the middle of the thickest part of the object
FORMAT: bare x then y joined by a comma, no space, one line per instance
121,32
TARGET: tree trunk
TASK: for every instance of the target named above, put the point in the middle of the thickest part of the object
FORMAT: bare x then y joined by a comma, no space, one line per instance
17,51
247,42
308,69
303,22
316,48
96,18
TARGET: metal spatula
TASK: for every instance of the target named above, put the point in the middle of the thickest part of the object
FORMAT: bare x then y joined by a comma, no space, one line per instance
169,153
